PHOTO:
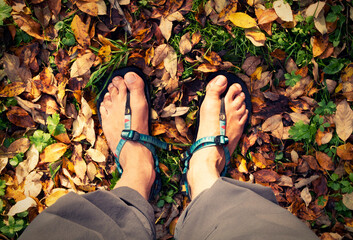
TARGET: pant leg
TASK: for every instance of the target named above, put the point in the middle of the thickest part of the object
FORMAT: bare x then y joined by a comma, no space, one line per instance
236,210
118,214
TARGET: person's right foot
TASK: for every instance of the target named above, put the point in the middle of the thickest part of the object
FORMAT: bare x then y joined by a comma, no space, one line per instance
206,164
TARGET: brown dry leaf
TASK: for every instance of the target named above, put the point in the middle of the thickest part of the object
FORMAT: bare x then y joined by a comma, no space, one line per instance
320,23
27,24
80,30
345,151
13,89
166,28
89,7
312,162
250,64
319,43
53,152
299,117
347,200
267,16
82,65
80,165
46,81
196,37
266,176
285,181
19,146
105,53
344,120
272,123
279,54
314,9
347,73
242,20
32,184
55,195
306,181
257,37
207,67
213,58
181,126
20,117
91,171
283,10
323,137
22,206
171,62
26,166
96,155
306,196
161,52
325,161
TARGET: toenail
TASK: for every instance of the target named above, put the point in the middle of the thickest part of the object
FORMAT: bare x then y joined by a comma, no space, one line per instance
238,86
130,78
116,79
221,80
242,94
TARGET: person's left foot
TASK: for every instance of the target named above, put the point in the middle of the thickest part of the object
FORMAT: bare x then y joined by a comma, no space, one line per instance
135,159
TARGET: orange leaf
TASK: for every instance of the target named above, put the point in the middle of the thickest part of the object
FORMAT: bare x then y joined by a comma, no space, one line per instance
259,160
91,8
325,161
80,30
345,151
267,16
206,67
82,65
55,195
266,176
53,152
27,24
279,54
319,44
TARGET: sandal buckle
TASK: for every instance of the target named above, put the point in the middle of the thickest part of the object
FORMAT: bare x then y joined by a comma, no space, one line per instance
221,140
130,135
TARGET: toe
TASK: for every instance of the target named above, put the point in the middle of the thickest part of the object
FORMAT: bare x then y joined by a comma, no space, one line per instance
216,86
233,91
134,83
119,84
239,100
113,91
107,100
103,111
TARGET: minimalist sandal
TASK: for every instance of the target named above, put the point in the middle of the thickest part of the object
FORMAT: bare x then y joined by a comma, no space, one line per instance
130,135
221,139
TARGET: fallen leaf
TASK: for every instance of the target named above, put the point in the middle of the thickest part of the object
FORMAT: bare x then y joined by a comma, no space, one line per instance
22,206
96,155
272,123
32,184
267,16
299,117
320,23
166,28
323,137
53,152
179,111
319,44
250,64
314,9
312,162
20,117
82,65
55,195
181,126
306,196
171,62
305,181
259,160
80,30
80,165
283,10
257,37
266,176
89,7
19,146
46,81
3,163
207,67
27,24
343,120
285,181
242,20
345,151
347,200
13,89
91,171
160,54
325,161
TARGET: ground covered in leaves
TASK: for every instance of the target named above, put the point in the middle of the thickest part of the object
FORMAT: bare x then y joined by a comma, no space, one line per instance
295,57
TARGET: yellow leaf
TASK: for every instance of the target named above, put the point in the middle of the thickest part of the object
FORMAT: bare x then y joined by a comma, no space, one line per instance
242,20
257,37
55,195
80,30
13,89
53,152
104,52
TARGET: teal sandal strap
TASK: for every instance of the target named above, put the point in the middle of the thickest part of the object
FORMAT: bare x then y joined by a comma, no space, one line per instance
220,140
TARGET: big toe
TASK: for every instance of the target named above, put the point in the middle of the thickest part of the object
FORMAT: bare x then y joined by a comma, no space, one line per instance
216,86
134,83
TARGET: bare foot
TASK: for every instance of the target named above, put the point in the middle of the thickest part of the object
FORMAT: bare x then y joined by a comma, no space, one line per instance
135,159
207,163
